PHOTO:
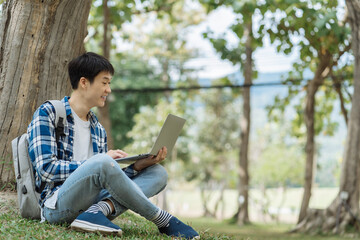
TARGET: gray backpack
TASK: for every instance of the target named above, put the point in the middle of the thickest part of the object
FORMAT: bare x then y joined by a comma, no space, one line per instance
28,193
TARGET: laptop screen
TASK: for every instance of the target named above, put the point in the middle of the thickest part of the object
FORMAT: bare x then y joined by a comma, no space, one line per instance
168,134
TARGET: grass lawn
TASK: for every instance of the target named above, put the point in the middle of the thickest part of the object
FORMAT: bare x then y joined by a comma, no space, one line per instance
256,231
135,227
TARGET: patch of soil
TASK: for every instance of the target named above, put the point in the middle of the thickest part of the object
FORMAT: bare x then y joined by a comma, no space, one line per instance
7,200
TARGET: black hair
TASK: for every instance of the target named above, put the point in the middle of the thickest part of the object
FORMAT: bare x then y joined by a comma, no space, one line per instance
88,65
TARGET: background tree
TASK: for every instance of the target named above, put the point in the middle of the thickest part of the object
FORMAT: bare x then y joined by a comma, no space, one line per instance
132,71
314,27
156,57
216,139
148,123
106,18
38,39
168,14
242,54
342,213
278,165
104,115
159,41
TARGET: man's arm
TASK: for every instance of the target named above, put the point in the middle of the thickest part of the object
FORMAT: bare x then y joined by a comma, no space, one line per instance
43,147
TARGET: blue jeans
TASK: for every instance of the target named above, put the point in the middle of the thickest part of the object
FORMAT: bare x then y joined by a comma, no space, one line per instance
100,178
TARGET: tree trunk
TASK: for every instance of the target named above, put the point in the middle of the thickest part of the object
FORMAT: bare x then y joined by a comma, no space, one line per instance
205,199
38,39
104,113
220,201
343,210
323,70
310,145
338,89
282,202
242,214
165,77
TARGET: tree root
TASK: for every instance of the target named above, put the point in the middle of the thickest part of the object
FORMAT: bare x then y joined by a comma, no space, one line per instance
335,219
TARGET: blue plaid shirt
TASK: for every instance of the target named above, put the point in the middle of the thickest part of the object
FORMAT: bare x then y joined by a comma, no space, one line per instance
53,161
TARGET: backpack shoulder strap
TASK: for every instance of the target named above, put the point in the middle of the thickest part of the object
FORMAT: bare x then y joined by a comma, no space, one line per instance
60,112
60,117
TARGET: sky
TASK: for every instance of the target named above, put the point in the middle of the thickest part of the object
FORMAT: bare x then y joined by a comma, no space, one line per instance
267,60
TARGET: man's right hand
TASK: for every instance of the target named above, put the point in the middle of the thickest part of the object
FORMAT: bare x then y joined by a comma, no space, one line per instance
117,153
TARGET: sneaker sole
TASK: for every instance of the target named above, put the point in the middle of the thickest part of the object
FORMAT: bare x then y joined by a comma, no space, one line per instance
84,226
194,238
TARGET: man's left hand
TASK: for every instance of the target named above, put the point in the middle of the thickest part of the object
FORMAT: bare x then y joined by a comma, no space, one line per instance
147,162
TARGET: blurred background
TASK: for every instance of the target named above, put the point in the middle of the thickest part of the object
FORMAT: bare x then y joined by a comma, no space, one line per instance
190,58
266,88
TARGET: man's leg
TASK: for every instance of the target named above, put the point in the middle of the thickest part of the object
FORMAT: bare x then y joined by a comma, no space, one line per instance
83,186
151,181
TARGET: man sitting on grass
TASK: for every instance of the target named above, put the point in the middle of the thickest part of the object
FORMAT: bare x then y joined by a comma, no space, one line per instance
84,184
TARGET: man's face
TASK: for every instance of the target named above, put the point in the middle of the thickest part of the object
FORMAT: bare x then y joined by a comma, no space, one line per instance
98,91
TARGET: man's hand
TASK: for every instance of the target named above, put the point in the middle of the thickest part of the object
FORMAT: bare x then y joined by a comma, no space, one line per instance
117,153
147,162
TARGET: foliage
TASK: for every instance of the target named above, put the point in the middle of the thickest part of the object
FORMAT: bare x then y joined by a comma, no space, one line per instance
148,124
280,162
149,51
217,138
162,40
314,29
121,12
245,12
165,52
131,72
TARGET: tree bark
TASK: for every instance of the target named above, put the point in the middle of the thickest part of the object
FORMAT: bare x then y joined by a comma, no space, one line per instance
104,112
342,212
205,199
243,214
323,70
338,89
38,39
310,145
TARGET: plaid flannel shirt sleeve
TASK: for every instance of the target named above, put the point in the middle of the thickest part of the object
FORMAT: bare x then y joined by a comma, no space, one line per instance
43,147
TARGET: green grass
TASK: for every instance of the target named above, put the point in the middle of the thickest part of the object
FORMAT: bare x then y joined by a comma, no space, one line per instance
254,231
12,226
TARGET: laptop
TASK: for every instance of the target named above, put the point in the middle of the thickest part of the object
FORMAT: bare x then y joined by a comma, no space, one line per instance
167,137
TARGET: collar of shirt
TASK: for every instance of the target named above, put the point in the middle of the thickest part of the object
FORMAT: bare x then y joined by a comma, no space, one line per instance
91,115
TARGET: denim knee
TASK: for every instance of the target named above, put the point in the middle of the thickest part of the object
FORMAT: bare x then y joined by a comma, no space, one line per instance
161,175
103,164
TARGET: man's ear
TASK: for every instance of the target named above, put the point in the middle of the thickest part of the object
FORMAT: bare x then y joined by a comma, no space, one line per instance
83,82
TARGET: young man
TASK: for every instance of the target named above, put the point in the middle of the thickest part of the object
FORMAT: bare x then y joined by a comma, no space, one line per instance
84,185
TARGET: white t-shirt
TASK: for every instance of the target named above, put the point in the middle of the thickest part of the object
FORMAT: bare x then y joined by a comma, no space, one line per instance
82,148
